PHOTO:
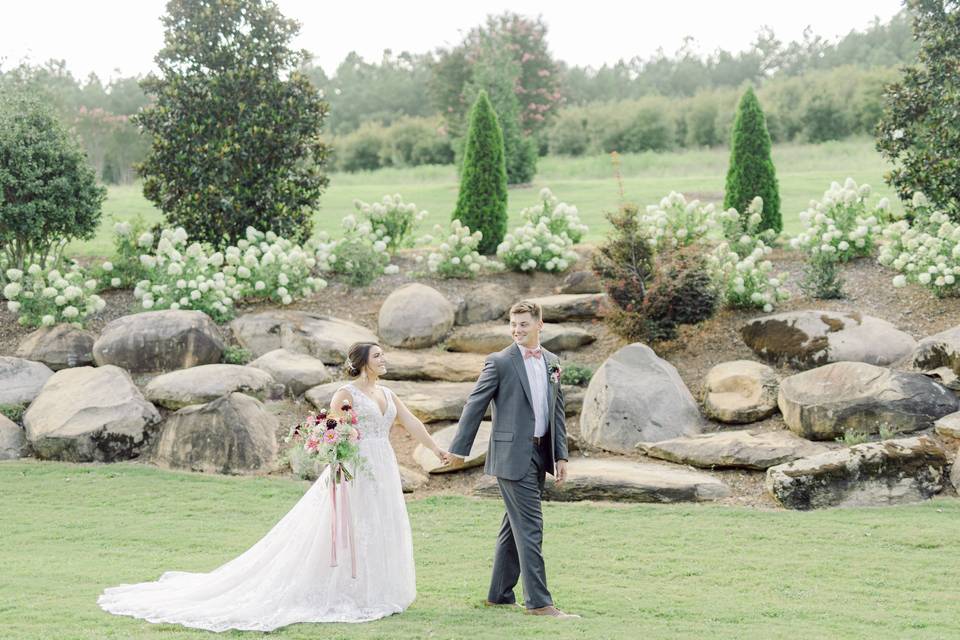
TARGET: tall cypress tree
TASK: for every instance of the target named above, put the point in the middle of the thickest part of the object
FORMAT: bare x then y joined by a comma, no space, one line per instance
751,171
482,202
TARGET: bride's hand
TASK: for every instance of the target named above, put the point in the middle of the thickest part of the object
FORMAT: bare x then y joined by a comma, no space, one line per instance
443,456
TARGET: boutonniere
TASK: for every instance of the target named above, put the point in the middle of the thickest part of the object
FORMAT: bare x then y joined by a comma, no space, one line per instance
554,370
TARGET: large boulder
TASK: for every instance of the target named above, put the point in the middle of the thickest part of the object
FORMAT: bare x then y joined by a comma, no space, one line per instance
807,339
824,403
444,438
487,302
872,474
58,346
89,414
415,316
297,372
323,337
624,481
159,341
21,380
199,385
433,365
232,434
735,449
581,282
429,401
12,439
740,392
488,338
572,306
941,350
636,396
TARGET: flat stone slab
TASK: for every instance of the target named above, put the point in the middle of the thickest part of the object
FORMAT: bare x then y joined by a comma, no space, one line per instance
323,337
444,437
21,380
199,385
811,338
734,449
624,481
865,475
571,306
492,337
826,402
433,365
948,425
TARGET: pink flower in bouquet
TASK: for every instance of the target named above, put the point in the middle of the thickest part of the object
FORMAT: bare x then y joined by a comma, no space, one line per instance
312,443
330,436
353,419
354,435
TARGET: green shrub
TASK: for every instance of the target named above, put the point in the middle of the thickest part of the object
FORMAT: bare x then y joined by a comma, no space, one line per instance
568,136
234,354
48,192
361,150
13,412
576,374
822,277
682,292
482,201
751,171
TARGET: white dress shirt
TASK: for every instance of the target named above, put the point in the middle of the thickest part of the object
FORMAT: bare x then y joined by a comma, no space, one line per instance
537,377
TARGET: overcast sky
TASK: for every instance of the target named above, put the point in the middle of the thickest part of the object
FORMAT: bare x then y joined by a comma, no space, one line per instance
120,37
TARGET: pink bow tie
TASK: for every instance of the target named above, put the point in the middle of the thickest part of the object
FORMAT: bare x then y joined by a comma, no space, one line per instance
531,353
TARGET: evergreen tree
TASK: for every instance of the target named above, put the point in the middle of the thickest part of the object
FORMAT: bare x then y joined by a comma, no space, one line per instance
482,202
751,171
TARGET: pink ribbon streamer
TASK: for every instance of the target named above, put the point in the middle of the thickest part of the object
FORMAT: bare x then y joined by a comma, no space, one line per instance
346,521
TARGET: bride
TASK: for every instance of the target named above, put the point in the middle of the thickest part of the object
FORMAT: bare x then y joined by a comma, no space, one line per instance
287,576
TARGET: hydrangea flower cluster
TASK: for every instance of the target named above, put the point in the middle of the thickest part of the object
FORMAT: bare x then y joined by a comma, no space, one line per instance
361,255
392,220
48,297
925,251
675,223
842,225
746,282
457,256
543,242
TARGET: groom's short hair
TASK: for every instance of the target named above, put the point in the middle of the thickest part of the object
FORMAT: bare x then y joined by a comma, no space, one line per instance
527,306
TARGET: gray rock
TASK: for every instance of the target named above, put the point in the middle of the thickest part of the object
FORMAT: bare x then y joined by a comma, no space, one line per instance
233,434
740,392
429,401
824,403
323,337
89,414
21,380
734,449
572,306
487,302
58,347
948,425
941,350
444,438
159,341
635,397
259,333
206,383
415,316
807,339
955,476
433,365
873,474
624,481
581,282
489,338
297,372
12,439
411,480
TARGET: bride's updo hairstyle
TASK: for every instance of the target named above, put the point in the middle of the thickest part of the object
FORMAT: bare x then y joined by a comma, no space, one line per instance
357,356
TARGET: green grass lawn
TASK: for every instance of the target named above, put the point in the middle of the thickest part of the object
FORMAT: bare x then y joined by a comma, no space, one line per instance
804,171
642,571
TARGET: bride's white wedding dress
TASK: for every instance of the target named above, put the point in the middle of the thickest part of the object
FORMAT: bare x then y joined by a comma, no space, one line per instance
286,577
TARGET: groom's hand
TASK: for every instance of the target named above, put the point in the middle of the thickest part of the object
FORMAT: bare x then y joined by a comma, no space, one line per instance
561,472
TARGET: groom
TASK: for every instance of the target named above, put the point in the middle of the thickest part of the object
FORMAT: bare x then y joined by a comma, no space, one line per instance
528,440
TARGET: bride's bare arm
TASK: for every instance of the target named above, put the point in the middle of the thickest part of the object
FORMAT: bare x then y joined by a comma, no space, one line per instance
337,400
416,429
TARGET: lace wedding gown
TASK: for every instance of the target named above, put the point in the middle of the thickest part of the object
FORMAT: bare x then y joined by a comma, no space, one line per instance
286,577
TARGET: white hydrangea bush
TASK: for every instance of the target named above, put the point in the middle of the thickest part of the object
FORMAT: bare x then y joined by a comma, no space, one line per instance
361,256
842,225
393,221
457,255
543,242
675,222
44,297
924,250
746,281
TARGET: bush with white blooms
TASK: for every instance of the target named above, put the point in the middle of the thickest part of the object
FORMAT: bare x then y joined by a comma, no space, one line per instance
392,219
842,224
457,256
360,256
675,223
925,250
48,297
543,242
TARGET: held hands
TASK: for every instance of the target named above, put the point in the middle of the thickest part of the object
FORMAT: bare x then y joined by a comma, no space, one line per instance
561,472
443,456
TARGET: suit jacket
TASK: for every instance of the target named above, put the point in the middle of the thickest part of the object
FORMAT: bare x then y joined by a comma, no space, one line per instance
504,382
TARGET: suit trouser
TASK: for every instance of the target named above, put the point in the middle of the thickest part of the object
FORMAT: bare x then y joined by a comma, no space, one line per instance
518,552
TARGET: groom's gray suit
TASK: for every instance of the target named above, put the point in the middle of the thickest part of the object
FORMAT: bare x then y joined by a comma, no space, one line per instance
519,466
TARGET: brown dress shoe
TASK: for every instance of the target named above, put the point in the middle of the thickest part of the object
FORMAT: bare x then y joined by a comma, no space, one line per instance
487,603
553,612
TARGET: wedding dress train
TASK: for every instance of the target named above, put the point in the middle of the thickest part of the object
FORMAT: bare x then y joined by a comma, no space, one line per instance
287,576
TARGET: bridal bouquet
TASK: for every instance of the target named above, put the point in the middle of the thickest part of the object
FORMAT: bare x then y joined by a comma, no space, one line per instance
330,439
